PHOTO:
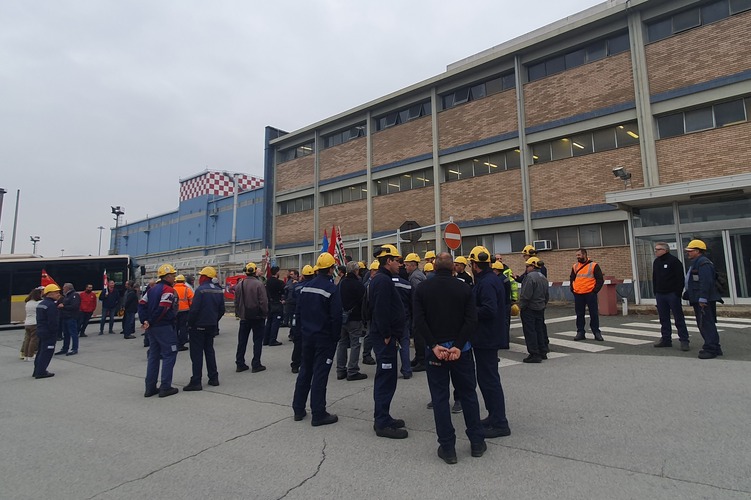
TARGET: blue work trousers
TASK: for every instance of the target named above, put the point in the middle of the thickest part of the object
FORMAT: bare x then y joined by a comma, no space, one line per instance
202,343
589,301
706,319
271,331
384,385
667,303
317,358
489,380
162,344
70,334
105,313
246,326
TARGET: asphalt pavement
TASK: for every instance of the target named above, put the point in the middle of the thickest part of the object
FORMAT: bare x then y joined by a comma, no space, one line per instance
617,419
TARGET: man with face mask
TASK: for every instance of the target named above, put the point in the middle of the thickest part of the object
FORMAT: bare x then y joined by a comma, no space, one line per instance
586,280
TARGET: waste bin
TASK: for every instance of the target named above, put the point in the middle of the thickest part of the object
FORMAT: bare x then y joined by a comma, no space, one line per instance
606,299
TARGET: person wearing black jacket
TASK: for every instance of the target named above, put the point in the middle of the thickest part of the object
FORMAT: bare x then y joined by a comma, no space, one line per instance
130,306
275,292
48,326
352,292
110,298
444,316
69,310
668,281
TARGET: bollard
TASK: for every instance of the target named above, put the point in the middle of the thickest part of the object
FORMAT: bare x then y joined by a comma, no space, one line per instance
625,306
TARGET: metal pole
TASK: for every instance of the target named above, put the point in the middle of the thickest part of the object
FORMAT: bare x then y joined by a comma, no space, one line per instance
234,212
100,239
15,224
2,196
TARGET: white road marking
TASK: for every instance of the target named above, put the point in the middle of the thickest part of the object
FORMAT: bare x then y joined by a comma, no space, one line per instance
639,333
580,346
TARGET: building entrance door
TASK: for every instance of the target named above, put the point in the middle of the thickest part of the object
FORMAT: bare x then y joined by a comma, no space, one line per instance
740,251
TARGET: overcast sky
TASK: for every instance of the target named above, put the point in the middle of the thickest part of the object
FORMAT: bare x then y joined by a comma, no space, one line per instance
106,102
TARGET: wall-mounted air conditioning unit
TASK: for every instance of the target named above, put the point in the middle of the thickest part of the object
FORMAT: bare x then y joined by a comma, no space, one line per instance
542,245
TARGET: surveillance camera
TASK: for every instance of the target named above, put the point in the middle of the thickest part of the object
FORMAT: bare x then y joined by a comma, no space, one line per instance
618,172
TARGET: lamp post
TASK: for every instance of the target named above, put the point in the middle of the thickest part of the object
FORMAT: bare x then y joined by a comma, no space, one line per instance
62,252
101,228
34,241
2,237
236,185
117,212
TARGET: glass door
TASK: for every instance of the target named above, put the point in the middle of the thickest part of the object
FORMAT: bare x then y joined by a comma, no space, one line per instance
740,251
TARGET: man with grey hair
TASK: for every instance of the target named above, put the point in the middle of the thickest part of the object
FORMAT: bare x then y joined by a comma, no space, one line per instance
352,292
69,307
668,282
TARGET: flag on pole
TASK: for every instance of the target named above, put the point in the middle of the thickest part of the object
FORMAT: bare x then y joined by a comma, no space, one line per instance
324,243
337,245
265,267
47,279
105,280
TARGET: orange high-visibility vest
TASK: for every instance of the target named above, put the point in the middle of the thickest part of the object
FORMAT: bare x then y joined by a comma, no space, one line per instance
585,278
184,296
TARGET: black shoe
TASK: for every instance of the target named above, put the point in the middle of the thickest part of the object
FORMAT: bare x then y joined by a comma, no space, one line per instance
478,449
406,376
396,423
61,351
182,348
112,333
328,419
192,387
150,392
684,345
242,368
356,376
163,393
300,416
368,360
457,408
129,337
45,375
544,355
295,369
214,382
579,336
664,343
71,353
707,355
429,406
414,362
100,333
448,456
265,343
274,343
341,376
598,337
82,335
494,432
419,367
257,369
392,433
532,358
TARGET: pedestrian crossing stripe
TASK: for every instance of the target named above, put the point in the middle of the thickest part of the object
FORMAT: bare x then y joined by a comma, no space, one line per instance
722,324
736,320
638,333
580,346
617,340
523,349
508,362
691,329
516,323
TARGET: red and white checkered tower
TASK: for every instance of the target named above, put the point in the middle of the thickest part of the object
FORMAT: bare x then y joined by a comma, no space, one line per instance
216,183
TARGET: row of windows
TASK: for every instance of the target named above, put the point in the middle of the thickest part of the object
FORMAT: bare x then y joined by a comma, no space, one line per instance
344,136
343,195
587,236
697,16
592,52
586,143
715,116
296,205
412,112
479,90
297,152
482,165
405,182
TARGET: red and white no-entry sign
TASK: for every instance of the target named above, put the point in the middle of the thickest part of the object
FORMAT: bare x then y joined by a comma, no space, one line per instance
452,235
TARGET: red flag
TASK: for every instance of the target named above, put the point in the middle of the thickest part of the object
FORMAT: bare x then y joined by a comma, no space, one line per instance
332,243
105,280
267,264
47,279
339,255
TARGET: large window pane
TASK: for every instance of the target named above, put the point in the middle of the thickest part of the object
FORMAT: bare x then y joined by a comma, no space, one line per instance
450,173
536,71
561,149
589,236
686,20
461,96
728,113
478,91
653,216
576,58
737,6
699,119
426,108
613,233
714,12
596,51
405,182
568,237
496,162
336,196
381,187
509,81
465,169
428,175
493,86
618,44
541,152
555,65
581,144
448,101
346,196
660,29
404,116
604,139
513,159
481,166
394,184
548,234
414,111
626,134
715,210
670,125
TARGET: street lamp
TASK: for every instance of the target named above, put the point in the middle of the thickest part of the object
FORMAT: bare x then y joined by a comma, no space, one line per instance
101,228
62,252
117,212
34,241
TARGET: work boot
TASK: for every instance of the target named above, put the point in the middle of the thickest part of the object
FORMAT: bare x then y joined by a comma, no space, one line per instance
368,360
684,345
478,449
457,408
598,337
192,387
532,358
356,376
664,343
169,391
579,336
392,433
448,456
328,419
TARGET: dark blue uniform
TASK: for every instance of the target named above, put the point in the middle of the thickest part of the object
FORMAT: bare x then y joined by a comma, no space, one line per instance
703,296
158,306
404,288
491,320
319,315
48,328
205,312
388,320
294,329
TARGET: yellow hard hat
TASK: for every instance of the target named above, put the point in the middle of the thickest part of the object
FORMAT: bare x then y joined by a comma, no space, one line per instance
497,265
430,254
208,271
250,268
479,254
165,269
529,250
428,267
325,261
180,278
307,270
461,260
386,251
534,261
514,310
412,257
696,245
374,265
361,265
50,288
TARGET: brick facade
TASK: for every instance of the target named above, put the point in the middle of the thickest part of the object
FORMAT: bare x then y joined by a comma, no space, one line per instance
294,228
488,117
583,180
407,140
483,197
700,54
352,217
295,173
391,210
716,152
343,159
590,87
